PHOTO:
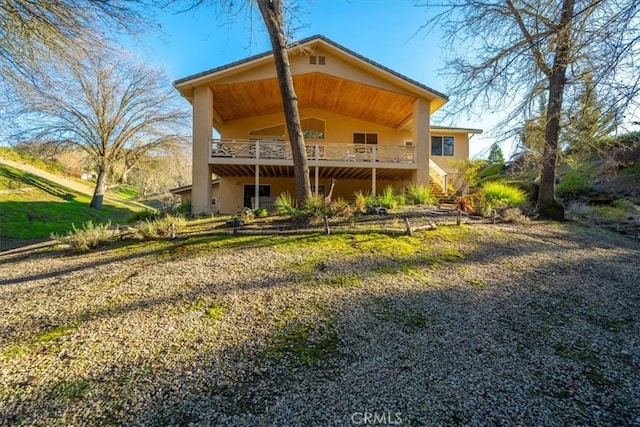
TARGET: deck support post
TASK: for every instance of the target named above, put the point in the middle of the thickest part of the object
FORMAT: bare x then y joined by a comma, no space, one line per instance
202,131
256,192
317,180
373,182
421,136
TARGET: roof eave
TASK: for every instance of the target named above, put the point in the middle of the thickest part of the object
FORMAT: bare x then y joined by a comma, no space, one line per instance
184,85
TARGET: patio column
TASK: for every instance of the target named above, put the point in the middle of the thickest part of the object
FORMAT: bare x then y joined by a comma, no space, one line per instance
373,183
256,192
421,135
201,172
374,159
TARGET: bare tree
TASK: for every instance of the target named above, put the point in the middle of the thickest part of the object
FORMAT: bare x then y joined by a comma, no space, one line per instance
112,108
508,52
32,32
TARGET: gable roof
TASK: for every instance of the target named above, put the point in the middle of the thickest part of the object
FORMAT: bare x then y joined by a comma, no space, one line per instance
195,78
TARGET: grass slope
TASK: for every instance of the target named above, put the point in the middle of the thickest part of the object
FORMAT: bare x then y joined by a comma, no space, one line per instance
32,207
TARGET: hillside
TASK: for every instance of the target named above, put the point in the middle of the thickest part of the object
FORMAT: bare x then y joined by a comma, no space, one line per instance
33,207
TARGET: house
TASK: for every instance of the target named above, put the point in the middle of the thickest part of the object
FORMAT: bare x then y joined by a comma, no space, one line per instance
365,125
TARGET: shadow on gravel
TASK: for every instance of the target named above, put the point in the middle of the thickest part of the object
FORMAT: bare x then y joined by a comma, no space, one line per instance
439,338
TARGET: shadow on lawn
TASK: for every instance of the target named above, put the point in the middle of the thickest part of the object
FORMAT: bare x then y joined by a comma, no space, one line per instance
40,183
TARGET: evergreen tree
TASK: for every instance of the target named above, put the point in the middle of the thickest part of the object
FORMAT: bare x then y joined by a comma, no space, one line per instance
495,154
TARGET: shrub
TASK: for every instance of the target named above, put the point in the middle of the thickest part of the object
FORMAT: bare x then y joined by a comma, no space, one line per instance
184,208
360,202
388,198
576,181
285,204
421,195
316,206
90,236
261,212
159,227
497,195
340,208
466,204
145,215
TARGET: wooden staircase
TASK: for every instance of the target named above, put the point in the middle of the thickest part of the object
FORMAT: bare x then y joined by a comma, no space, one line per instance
439,192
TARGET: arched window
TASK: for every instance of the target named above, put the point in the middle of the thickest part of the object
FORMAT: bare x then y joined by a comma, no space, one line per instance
312,128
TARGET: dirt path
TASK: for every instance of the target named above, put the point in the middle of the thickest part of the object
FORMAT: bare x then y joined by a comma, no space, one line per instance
69,183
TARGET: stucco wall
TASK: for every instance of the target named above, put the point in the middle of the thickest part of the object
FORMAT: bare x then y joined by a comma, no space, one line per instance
338,128
232,189
460,150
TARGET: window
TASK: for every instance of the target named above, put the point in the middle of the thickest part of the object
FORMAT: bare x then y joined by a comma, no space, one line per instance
442,145
365,138
312,128
319,60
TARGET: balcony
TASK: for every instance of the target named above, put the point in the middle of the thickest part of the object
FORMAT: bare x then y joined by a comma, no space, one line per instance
318,154
236,157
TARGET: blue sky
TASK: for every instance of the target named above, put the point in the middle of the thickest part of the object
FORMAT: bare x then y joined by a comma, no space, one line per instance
382,30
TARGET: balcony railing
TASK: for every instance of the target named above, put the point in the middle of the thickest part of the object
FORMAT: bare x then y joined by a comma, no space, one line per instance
438,175
325,151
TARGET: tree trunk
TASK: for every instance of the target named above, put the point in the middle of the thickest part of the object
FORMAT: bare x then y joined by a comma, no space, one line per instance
124,176
273,17
547,205
101,186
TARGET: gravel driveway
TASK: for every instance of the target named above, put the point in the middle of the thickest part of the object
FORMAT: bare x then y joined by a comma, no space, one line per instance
534,324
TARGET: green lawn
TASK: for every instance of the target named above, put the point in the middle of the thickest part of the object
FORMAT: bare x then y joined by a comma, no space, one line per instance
32,207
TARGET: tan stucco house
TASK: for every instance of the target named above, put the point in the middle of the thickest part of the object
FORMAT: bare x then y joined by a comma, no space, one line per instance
365,125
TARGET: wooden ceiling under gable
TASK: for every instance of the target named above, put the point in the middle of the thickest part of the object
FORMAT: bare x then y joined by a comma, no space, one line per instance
314,90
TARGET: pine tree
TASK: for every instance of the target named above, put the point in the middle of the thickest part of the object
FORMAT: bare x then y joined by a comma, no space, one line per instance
495,154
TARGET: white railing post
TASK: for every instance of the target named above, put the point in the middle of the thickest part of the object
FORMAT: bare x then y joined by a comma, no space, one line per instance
257,149
374,155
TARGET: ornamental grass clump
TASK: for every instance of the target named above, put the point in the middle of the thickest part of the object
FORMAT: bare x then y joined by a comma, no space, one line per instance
160,227
389,199
498,195
421,195
90,236
285,205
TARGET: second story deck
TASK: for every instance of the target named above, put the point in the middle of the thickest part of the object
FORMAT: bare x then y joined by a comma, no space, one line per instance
225,151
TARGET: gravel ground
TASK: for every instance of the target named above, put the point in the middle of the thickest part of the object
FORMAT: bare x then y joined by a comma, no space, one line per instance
534,324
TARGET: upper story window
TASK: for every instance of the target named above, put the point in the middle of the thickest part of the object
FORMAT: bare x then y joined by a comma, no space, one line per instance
312,128
442,145
317,60
365,138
